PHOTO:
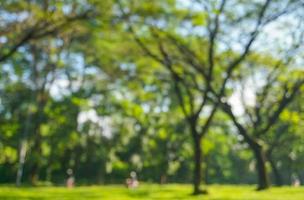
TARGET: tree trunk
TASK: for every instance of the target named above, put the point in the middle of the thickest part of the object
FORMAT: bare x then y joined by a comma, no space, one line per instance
263,180
197,175
23,149
22,154
197,166
260,155
36,154
37,151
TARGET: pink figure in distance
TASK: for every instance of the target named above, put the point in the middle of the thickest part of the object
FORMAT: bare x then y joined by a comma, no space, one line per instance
70,183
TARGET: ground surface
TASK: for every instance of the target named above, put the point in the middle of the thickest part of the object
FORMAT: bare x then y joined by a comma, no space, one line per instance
149,192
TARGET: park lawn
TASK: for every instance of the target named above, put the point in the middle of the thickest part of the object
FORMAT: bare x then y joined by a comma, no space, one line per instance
149,192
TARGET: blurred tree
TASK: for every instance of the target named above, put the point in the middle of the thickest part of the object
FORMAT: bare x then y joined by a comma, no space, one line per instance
194,42
22,22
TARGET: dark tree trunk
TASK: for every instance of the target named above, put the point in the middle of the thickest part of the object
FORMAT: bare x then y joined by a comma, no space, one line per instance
260,156
197,175
36,153
35,168
36,150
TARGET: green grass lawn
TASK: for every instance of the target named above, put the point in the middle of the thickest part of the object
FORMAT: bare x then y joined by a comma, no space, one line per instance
149,192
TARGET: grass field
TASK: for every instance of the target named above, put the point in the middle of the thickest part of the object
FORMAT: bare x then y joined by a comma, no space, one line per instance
149,192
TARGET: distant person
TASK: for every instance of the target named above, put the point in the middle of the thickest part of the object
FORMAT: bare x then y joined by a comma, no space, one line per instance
296,181
132,182
70,183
